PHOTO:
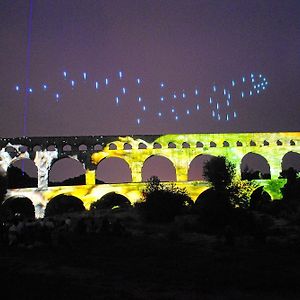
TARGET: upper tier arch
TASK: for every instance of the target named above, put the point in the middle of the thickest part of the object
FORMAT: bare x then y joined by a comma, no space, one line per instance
181,149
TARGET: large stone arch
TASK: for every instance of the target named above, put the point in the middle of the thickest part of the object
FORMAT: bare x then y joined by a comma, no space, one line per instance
25,163
18,206
157,170
64,203
195,170
22,173
77,169
255,162
272,146
291,159
117,163
111,200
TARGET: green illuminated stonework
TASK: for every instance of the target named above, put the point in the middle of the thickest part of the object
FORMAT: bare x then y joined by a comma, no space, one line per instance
180,149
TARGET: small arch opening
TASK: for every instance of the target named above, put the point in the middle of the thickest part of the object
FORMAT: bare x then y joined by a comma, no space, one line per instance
37,148
98,147
239,144
142,146
225,144
252,143
199,145
82,147
127,146
171,145
23,149
185,145
51,148
156,146
67,148
266,143
11,150
112,146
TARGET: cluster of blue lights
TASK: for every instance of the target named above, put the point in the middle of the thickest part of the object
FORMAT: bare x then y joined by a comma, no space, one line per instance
172,104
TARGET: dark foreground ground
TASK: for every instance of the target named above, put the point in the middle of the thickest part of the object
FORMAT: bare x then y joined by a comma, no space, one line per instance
145,267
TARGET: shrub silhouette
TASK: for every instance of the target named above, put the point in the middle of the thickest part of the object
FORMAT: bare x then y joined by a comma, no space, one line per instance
161,203
111,200
217,207
216,201
78,180
260,200
3,187
63,204
219,172
291,189
213,211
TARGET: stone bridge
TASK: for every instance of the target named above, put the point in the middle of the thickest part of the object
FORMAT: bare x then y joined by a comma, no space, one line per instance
180,149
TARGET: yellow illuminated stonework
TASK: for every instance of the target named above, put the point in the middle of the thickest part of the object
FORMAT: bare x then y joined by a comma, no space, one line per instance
180,149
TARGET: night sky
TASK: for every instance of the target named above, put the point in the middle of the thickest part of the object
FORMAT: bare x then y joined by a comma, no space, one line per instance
186,45
162,48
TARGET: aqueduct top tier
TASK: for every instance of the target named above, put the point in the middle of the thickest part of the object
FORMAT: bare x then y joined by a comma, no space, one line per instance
180,149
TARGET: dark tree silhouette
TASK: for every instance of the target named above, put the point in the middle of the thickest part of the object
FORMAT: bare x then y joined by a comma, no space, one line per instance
249,174
225,202
291,189
78,180
260,200
3,187
219,172
161,203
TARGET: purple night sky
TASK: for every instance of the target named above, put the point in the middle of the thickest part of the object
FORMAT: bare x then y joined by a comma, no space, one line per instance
186,45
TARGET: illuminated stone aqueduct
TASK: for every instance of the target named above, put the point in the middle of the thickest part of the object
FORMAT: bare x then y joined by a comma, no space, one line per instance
180,149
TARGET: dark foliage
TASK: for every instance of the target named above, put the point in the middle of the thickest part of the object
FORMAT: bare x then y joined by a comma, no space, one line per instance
214,212
248,174
219,172
162,203
260,200
111,200
291,189
78,180
216,206
16,178
62,204
219,217
17,207
277,208
3,187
